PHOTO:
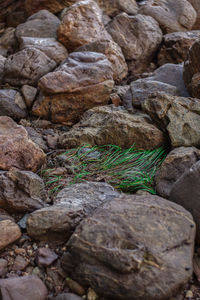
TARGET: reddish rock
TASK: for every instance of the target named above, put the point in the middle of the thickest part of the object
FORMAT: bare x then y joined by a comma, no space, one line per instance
114,7
9,233
45,257
54,6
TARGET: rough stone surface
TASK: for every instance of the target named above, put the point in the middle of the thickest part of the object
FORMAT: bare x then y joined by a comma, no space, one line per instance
3,267
171,15
175,164
23,288
196,5
113,125
67,296
29,93
8,42
54,6
176,45
37,138
179,116
114,7
113,53
81,24
145,240
9,232
41,25
72,204
2,63
83,81
138,36
186,192
49,46
12,104
35,65
191,73
16,150
8,6
45,257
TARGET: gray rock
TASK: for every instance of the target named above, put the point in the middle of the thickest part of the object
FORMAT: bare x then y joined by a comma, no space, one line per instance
113,8
45,257
2,63
35,65
3,267
145,240
186,192
8,42
175,164
66,296
12,104
37,138
29,93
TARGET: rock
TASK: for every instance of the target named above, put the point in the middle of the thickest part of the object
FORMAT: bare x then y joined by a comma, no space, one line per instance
9,232
113,53
175,164
83,81
81,24
54,6
176,45
72,204
139,38
186,193
12,104
49,46
178,116
45,257
21,191
91,295
23,288
40,25
20,263
8,42
2,63
113,125
35,65
67,296
196,5
4,214
191,72
140,90
16,150
29,93
75,287
171,16
113,8
8,6
3,267
16,17
145,240
37,138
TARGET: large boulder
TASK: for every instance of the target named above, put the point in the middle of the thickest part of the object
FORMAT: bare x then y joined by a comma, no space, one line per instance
81,24
196,5
133,247
84,80
54,6
186,192
9,232
139,38
72,204
114,7
23,288
177,116
178,161
16,149
191,73
113,125
113,53
35,65
171,15
176,45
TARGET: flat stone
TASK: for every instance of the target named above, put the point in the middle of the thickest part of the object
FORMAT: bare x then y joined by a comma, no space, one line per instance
45,257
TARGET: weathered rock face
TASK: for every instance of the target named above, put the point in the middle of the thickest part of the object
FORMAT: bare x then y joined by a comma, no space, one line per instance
83,81
186,193
9,232
35,65
12,104
191,73
138,36
8,6
81,24
179,116
113,53
41,25
72,204
196,5
114,7
2,64
171,16
54,6
113,125
29,92
176,45
49,46
8,42
175,164
23,288
16,150
145,240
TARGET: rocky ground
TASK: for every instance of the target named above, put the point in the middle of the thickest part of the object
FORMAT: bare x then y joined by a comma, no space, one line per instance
98,72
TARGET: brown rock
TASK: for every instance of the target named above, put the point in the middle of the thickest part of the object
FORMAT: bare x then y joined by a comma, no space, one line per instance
3,267
113,53
8,42
20,263
9,232
23,288
16,17
138,36
16,150
145,240
81,24
54,6
196,5
171,15
8,6
29,93
114,7
83,81
45,257
113,125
